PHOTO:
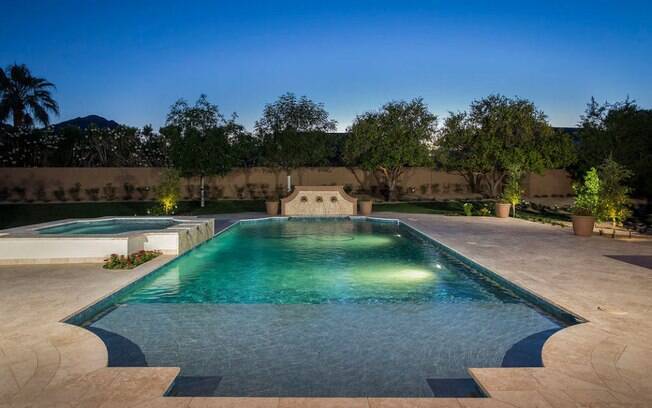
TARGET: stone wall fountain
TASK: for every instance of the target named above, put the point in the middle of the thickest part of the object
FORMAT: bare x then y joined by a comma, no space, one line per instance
319,201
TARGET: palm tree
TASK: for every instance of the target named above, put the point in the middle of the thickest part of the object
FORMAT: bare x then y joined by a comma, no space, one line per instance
26,98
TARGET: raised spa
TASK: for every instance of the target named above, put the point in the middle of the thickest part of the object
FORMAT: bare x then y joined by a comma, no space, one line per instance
110,226
323,308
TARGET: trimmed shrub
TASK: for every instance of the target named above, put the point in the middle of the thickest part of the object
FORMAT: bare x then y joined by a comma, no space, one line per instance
109,191
129,262
74,192
93,193
60,194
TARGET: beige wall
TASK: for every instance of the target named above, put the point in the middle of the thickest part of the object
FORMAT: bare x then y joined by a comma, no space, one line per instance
416,183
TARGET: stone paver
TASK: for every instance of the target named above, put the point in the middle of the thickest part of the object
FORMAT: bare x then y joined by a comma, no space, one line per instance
605,362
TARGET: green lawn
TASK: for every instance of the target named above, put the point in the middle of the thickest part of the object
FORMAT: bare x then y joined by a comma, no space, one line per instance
431,207
14,215
456,208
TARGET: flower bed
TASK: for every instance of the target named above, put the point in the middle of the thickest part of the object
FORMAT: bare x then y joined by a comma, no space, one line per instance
129,262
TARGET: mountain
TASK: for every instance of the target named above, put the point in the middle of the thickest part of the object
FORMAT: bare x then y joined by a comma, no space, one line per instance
86,122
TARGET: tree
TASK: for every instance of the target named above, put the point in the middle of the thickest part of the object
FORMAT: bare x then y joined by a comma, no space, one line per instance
622,130
293,132
513,192
105,147
168,190
155,148
25,98
387,141
614,194
288,112
199,138
246,152
496,133
22,147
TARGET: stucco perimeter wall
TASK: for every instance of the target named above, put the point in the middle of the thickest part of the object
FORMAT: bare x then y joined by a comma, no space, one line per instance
40,184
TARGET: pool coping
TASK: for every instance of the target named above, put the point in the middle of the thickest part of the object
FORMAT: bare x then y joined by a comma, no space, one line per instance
605,362
145,270
83,316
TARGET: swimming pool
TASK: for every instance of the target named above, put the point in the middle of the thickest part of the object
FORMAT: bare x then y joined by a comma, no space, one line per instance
323,308
111,226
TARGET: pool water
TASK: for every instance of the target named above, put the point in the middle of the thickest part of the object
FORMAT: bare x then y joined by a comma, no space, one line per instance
320,308
113,226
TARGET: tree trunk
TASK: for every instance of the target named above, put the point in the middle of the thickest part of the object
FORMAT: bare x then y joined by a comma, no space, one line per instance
18,118
201,189
494,180
391,191
392,177
473,180
363,186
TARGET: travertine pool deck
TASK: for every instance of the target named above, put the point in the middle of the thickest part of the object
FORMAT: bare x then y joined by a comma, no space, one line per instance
605,362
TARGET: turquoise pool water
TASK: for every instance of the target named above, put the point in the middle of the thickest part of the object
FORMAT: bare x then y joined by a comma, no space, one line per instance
114,226
323,308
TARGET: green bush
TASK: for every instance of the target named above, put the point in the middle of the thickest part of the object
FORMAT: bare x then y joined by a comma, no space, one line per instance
20,192
468,209
168,191
60,194
74,192
614,195
109,191
587,195
129,262
484,211
512,193
93,193
129,190
143,192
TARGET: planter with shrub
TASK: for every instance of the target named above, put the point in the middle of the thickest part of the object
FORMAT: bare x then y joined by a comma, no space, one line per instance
502,209
271,206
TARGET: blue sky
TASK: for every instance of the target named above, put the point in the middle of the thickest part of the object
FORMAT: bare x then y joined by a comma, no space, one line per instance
130,60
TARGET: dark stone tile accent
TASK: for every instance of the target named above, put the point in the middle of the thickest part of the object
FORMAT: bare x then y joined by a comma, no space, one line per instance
527,352
644,261
455,388
188,386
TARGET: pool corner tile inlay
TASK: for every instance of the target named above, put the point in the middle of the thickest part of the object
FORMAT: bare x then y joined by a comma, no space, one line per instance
323,308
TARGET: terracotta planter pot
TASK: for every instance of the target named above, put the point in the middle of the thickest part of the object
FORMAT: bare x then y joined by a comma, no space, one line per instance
365,207
583,225
502,210
271,207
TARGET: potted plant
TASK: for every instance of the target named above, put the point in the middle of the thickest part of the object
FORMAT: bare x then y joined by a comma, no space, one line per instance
272,205
365,206
587,204
502,208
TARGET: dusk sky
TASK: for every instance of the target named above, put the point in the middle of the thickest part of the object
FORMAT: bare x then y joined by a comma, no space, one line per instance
130,60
